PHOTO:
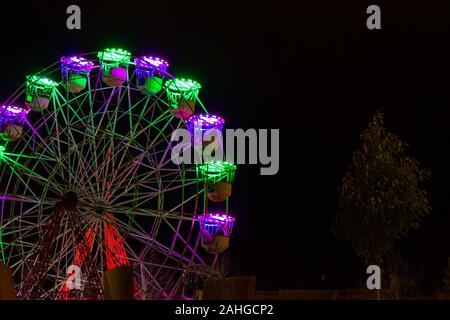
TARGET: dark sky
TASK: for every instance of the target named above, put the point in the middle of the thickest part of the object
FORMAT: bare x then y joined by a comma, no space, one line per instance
311,69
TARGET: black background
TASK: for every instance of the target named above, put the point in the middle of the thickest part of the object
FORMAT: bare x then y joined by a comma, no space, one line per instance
311,69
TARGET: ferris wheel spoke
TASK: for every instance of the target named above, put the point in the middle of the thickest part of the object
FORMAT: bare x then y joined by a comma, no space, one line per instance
76,163
94,147
181,268
137,200
146,267
68,103
94,167
144,212
151,145
27,199
144,197
47,161
67,110
34,176
35,133
95,171
31,173
105,163
104,108
41,158
144,112
20,219
145,273
185,243
185,201
103,167
81,181
44,182
124,177
154,283
59,140
125,95
158,246
86,171
29,229
72,155
183,183
163,162
107,166
49,125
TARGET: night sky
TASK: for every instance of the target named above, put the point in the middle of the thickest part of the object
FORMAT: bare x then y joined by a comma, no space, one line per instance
311,69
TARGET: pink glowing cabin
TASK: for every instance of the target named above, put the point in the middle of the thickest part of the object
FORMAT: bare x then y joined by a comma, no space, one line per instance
215,231
12,120
114,66
75,73
150,73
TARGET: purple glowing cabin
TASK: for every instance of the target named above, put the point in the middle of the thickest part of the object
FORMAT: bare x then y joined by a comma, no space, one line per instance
150,74
203,122
200,124
12,119
75,73
215,230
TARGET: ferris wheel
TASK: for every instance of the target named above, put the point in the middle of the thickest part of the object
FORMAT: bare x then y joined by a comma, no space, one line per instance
90,200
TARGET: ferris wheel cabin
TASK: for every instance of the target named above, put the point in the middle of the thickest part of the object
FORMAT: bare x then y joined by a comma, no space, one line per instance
215,231
204,122
38,92
75,73
200,124
114,66
182,94
12,120
219,177
150,73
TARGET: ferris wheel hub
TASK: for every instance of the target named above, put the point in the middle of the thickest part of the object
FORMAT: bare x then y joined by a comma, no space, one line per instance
100,209
70,200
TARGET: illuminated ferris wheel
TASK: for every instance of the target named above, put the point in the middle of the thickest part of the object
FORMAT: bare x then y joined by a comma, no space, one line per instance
92,205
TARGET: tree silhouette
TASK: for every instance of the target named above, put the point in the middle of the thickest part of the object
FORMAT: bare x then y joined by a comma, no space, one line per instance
380,199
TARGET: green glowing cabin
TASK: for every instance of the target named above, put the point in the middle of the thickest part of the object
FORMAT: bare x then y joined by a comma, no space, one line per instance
219,177
182,94
38,92
114,66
